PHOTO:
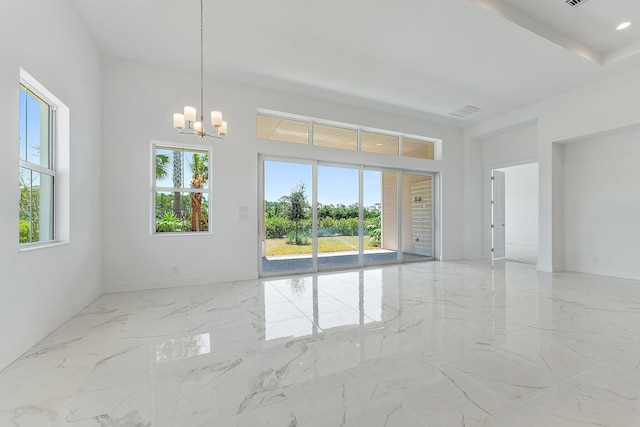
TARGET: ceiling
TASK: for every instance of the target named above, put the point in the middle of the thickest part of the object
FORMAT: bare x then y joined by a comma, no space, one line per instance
421,58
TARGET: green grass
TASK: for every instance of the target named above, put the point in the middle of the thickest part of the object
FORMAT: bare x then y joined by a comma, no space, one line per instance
325,244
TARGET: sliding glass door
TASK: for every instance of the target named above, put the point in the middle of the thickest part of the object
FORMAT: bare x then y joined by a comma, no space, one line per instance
380,199
417,216
338,217
287,217
319,216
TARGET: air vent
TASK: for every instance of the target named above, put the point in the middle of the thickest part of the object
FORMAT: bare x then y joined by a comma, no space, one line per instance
575,3
465,111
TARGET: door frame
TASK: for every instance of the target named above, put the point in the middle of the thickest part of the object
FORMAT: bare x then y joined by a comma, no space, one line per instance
435,223
486,201
261,204
498,205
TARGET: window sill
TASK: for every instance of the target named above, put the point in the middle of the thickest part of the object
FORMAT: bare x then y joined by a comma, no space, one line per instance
37,246
182,233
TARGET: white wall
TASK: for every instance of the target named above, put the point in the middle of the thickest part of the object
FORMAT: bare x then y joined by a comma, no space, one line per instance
42,288
521,205
512,147
141,100
602,205
604,107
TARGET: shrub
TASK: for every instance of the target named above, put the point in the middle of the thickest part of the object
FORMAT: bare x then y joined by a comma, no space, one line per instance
371,224
277,227
25,231
303,238
348,227
374,231
169,222
327,227
305,226
375,238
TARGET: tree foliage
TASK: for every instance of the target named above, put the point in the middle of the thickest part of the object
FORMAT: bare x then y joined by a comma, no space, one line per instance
297,208
200,177
178,166
182,211
29,212
333,220
162,166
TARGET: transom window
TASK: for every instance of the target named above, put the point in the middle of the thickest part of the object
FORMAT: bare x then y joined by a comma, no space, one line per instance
181,190
344,137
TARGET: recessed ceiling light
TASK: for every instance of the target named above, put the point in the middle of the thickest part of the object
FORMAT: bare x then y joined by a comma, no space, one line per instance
624,25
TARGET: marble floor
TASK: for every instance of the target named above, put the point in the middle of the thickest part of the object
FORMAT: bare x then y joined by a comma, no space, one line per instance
425,344
522,253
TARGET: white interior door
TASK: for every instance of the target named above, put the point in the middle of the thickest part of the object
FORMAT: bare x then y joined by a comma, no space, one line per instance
497,214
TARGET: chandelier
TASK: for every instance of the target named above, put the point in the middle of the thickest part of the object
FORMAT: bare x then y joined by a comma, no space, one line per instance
186,122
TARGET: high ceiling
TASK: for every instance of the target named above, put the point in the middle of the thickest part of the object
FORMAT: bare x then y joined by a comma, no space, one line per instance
423,58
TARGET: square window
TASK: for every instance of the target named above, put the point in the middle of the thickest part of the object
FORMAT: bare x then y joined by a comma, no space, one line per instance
181,189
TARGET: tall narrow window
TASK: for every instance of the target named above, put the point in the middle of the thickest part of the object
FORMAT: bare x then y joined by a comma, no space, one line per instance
181,189
37,168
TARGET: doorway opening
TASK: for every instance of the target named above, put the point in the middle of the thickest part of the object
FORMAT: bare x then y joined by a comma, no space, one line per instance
514,213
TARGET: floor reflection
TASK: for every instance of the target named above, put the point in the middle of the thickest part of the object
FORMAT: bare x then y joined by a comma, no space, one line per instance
432,343
183,347
328,301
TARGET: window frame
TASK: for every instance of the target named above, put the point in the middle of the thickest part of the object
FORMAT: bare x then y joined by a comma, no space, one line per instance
155,189
312,122
52,171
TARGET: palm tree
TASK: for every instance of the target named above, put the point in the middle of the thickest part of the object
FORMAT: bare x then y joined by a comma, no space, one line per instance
177,181
162,166
200,177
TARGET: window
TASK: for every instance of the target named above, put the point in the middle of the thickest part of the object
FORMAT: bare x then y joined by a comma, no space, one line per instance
295,129
181,191
285,130
377,143
335,137
417,148
37,168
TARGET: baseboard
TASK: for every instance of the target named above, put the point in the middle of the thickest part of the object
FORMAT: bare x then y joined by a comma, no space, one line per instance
110,288
604,272
550,268
11,351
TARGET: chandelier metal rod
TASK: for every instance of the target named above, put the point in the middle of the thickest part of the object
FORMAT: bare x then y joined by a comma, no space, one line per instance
187,122
202,62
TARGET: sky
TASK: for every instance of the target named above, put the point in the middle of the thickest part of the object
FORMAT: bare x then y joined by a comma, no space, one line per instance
33,139
187,156
336,185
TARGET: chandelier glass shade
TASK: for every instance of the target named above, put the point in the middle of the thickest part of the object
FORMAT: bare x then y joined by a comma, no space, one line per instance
187,122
